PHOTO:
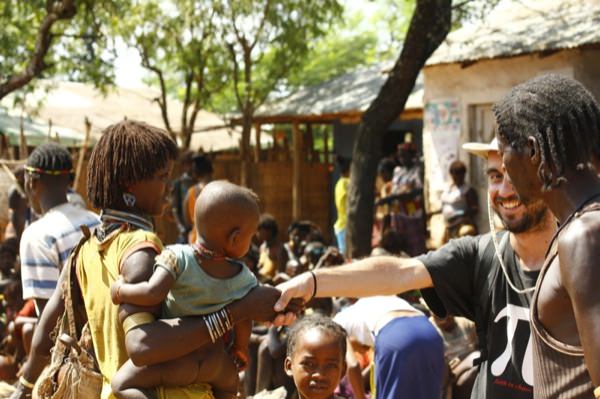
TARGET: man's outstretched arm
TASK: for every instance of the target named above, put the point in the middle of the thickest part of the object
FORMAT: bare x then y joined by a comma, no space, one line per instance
381,275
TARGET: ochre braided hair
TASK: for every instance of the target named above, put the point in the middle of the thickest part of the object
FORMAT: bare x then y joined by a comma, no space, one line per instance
127,152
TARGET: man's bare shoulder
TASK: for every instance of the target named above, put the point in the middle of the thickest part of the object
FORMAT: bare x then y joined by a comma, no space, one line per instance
579,249
583,230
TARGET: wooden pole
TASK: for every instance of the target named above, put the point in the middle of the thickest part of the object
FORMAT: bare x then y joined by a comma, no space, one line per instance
297,166
326,145
257,128
23,153
5,152
310,143
82,152
12,178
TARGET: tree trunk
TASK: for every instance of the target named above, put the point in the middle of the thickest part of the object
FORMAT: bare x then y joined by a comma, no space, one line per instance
64,10
187,137
429,26
245,149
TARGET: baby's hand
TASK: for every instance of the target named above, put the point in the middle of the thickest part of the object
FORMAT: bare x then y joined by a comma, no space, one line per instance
241,357
114,290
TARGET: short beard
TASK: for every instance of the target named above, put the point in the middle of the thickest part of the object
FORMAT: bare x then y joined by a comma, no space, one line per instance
531,221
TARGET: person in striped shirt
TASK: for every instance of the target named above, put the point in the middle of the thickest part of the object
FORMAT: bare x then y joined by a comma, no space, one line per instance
47,242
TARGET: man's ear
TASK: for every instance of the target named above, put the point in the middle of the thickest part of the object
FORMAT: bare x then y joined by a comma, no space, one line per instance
234,236
344,366
34,184
534,150
287,366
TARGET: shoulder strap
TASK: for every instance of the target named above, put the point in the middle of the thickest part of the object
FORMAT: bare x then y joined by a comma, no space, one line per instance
485,253
74,309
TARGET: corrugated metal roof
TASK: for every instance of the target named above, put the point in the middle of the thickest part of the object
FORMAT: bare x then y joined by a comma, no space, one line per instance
36,131
351,92
520,27
68,103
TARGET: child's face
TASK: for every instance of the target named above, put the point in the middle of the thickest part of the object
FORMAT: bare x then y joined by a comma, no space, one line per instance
317,365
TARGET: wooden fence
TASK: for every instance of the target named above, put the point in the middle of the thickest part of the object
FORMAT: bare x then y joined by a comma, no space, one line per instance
272,182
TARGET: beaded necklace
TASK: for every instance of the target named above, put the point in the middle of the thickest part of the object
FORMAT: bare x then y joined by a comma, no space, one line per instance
204,253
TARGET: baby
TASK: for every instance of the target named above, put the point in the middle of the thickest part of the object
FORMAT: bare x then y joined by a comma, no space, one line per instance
199,279
316,356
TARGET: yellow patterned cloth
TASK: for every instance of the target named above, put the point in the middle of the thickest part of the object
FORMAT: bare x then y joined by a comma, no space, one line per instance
196,391
98,266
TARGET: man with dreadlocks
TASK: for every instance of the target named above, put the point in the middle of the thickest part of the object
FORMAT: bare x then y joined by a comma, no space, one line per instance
487,279
548,131
47,242
128,175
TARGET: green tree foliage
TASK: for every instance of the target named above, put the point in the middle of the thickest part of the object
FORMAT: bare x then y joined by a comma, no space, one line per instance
266,40
345,47
391,22
179,44
65,37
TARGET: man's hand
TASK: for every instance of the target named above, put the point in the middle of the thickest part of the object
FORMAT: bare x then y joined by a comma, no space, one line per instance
300,287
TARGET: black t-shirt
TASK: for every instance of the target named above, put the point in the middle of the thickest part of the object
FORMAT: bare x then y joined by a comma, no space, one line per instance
469,282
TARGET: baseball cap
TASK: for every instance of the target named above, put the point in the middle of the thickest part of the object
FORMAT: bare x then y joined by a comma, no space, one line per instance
481,149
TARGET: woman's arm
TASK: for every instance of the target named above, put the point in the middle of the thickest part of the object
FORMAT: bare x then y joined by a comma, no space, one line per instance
164,340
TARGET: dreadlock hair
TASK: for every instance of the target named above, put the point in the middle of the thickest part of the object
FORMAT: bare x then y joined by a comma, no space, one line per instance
127,152
563,117
52,158
319,322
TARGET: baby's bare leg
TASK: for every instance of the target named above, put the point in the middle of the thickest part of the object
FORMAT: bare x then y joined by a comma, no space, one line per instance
218,369
133,382
210,365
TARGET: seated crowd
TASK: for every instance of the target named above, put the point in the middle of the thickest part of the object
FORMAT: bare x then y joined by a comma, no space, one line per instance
264,356
225,248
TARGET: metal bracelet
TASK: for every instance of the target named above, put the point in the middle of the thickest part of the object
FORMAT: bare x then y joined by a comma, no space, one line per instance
210,328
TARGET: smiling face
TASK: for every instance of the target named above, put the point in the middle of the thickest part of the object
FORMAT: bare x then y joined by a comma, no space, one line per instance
516,214
317,364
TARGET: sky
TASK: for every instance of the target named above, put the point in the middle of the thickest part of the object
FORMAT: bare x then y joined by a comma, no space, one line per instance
129,72
128,69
